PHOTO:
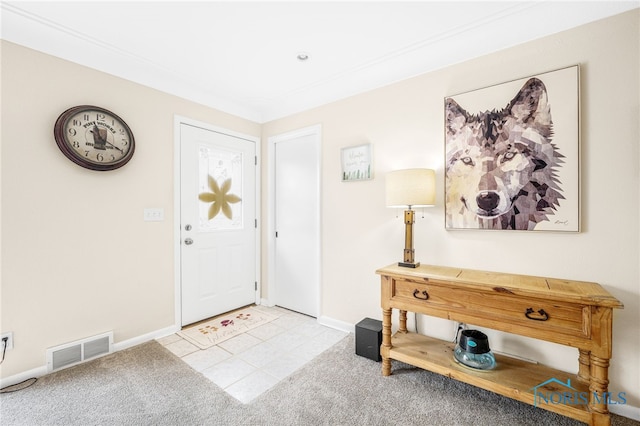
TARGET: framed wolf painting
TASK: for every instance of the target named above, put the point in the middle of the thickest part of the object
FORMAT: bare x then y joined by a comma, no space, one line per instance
512,155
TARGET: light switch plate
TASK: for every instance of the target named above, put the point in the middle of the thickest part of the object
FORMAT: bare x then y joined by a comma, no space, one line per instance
154,215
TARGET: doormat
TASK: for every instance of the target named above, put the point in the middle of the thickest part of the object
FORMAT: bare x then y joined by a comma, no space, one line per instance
209,333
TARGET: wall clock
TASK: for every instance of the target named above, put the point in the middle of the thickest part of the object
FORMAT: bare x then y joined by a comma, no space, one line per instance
94,138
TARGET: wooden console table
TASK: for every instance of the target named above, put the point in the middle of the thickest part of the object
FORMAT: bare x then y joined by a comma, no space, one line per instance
572,313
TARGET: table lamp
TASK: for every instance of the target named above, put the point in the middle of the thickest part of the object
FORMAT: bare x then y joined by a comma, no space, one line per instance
410,188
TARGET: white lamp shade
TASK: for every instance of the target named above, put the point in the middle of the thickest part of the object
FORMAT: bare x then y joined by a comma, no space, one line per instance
411,187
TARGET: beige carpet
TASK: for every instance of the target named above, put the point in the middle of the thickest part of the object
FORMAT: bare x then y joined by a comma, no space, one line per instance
218,329
149,386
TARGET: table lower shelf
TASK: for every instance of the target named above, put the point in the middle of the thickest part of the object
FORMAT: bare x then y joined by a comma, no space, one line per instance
512,377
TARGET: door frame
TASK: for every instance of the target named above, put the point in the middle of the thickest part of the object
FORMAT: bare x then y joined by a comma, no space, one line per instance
316,132
177,243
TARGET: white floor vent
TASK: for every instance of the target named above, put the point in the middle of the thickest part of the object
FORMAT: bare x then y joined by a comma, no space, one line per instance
79,351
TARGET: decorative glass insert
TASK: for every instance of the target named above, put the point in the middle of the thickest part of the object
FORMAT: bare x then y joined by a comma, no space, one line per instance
219,189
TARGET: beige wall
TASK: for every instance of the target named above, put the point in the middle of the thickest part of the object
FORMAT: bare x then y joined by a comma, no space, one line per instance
77,257
404,122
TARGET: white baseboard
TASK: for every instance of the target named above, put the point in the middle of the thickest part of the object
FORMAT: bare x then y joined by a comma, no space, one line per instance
145,338
625,410
21,377
337,324
265,302
322,320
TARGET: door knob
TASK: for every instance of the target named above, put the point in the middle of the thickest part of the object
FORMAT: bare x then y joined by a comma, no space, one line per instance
187,227
188,241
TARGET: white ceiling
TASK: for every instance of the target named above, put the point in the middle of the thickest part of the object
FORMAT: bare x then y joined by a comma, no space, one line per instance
240,57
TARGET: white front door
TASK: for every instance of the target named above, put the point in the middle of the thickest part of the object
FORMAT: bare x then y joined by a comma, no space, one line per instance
296,191
217,223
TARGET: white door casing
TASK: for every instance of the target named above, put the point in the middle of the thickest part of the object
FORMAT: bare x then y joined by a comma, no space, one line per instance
295,211
217,219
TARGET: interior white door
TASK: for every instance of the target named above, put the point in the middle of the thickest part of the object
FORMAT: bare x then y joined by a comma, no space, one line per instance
297,224
217,223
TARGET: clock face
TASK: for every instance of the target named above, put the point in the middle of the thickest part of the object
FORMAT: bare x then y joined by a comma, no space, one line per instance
94,138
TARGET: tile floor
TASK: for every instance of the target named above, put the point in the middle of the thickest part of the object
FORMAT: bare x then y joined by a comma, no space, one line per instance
251,363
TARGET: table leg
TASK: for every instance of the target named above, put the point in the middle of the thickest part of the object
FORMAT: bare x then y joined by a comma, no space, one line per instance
584,366
598,387
403,322
386,342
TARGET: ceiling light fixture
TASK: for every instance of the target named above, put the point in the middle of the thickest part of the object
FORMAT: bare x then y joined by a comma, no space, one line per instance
303,57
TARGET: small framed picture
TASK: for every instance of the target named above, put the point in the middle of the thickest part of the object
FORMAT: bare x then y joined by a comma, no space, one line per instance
357,163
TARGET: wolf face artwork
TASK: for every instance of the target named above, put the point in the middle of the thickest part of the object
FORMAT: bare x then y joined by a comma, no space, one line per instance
501,166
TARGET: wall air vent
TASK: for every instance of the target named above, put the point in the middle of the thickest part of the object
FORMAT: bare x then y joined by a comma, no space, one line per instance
79,351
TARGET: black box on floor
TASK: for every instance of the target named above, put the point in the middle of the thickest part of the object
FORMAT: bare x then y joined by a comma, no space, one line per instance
369,339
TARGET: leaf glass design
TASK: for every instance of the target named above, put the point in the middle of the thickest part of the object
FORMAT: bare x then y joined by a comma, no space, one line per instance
219,189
